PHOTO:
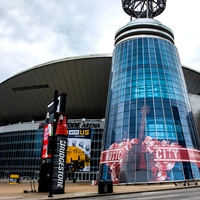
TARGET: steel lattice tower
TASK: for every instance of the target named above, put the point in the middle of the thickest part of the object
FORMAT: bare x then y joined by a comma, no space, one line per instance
143,8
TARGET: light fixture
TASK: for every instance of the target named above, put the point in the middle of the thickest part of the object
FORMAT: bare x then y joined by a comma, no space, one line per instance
47,117
61,118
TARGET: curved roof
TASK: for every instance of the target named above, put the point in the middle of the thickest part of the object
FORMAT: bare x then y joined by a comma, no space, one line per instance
192,79
25,96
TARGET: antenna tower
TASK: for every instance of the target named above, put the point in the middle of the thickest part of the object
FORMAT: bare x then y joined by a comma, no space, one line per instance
143,8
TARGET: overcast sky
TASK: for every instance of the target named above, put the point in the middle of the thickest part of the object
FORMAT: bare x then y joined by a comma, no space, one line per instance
33,32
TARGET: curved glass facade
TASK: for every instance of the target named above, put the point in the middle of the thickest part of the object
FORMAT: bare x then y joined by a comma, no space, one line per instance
150,133
20,153
20,149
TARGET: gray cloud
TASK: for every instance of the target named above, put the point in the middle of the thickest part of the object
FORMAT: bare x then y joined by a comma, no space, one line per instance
37,31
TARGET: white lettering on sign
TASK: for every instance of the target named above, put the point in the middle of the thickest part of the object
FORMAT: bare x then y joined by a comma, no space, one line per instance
114,155
83,125
166,153
61,163
73,132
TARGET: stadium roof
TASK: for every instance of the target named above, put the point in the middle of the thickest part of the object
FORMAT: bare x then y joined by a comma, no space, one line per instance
24,97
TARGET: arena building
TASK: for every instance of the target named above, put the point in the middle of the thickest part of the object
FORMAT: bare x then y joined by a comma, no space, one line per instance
26,96
24,100
133,116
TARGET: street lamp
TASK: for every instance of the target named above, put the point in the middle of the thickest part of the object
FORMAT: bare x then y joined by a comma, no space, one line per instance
61,119
47,117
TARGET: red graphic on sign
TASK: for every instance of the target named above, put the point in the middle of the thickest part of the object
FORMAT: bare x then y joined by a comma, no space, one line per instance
47,133
61,128
115,155
162,154
165,155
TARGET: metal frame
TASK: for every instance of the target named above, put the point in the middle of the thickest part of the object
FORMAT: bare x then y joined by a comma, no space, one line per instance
143,8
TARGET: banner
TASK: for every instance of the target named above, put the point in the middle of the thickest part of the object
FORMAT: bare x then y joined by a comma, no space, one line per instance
48,130
78,150
164,156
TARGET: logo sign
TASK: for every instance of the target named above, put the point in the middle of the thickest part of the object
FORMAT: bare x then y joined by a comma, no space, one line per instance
73,132
79,133
84,132
59,166
80,125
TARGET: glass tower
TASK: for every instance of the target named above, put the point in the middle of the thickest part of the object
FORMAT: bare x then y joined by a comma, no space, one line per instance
150,134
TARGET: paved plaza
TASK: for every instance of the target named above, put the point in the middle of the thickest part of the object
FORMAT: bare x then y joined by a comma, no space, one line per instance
79,189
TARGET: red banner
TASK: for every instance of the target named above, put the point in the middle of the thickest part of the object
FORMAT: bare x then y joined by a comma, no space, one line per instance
170,154
165,155
47,132
161,154
111,156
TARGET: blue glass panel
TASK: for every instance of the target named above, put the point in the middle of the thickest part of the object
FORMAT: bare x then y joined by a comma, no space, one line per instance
148,75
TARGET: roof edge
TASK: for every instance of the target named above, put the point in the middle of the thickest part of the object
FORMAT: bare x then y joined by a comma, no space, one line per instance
60,60
194,70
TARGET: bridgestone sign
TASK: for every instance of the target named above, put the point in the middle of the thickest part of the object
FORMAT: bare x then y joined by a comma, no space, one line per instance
58,177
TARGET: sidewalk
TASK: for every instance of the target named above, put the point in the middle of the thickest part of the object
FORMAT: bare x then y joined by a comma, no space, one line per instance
79,189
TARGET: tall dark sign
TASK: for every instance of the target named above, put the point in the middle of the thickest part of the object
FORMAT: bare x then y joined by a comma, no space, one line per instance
53,156
59,161
59,165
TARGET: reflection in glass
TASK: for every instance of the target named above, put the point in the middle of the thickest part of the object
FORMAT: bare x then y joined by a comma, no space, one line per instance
149,116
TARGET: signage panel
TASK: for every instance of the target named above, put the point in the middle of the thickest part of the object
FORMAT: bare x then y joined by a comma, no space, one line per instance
48,128
59,165
78,150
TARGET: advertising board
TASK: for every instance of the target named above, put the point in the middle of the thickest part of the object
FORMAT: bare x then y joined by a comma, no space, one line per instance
78,150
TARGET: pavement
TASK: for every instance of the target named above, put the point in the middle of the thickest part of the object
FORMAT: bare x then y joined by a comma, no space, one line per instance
80,189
